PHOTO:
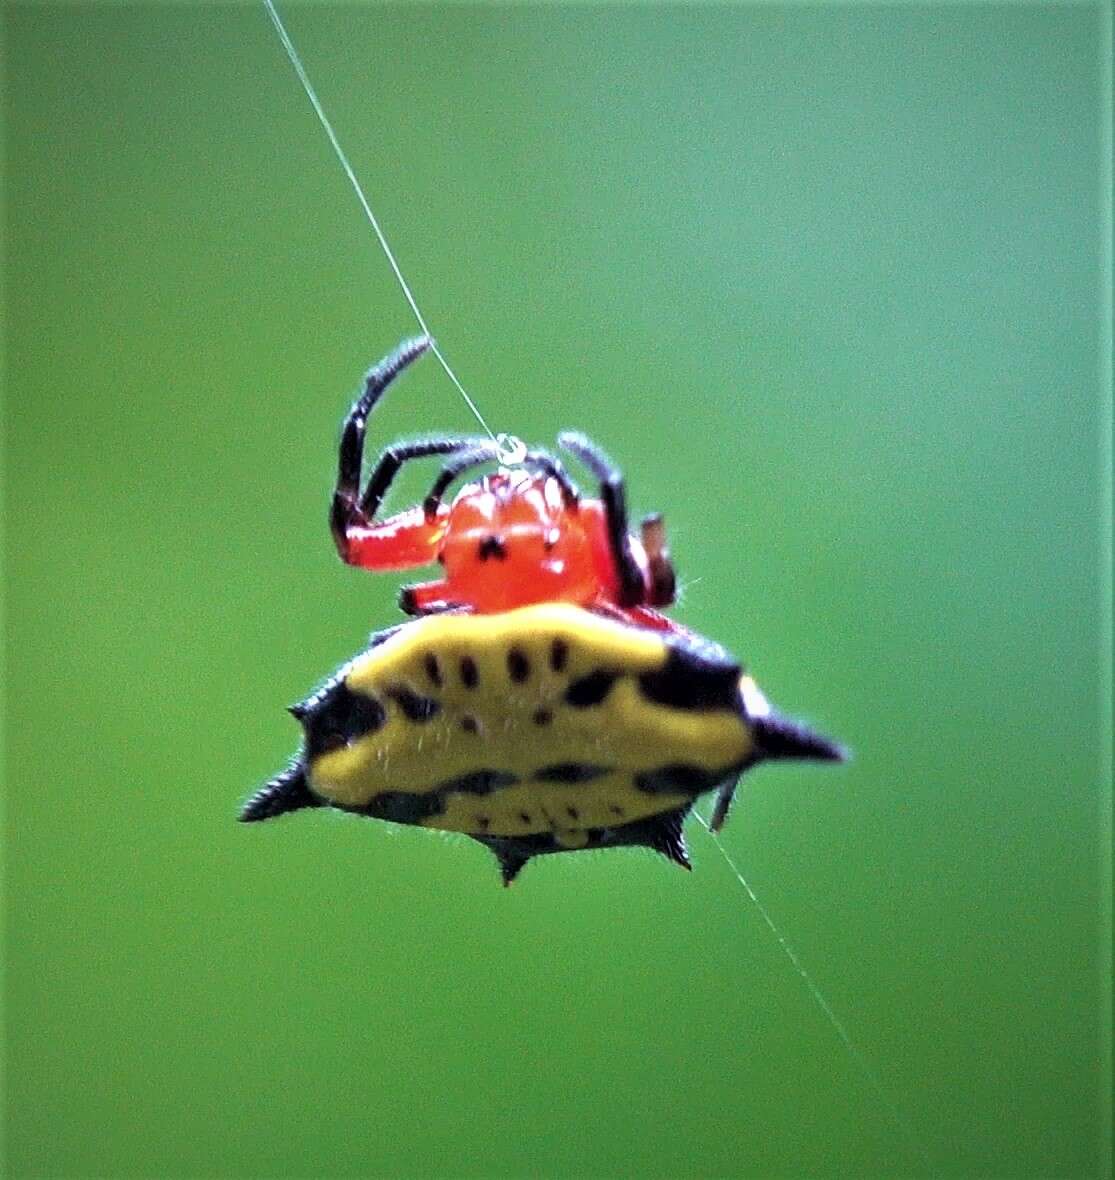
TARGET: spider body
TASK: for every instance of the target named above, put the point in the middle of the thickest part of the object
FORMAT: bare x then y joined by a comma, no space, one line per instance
538,702
521,535
538,730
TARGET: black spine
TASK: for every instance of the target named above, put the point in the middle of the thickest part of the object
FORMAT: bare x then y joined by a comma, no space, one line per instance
288,791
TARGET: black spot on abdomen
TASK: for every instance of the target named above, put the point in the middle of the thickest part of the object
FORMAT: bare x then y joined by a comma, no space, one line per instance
408,807
559,655
680,778
470,677
590,690
414,707
402,807
569,772
337,716
477,782
694,677
518,666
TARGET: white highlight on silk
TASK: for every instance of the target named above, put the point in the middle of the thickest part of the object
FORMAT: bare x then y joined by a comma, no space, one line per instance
311,94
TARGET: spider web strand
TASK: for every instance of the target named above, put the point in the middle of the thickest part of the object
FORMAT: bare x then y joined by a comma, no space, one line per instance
817,995
315,102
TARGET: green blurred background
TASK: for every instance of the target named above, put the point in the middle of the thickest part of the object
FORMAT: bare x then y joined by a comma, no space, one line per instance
826,282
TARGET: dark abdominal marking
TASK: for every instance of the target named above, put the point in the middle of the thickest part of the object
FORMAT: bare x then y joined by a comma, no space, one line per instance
590,689
402,807
559,655
678,779
414,707
694,676
569,773
477,782
518,666
337,716
412,807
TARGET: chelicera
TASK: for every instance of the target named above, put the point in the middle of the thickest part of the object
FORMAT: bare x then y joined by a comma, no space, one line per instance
520,535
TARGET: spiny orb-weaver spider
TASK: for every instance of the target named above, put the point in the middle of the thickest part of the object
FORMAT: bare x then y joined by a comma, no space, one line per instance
509,710
518,536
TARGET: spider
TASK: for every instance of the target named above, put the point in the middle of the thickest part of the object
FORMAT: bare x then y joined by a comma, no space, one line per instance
508,710
518,536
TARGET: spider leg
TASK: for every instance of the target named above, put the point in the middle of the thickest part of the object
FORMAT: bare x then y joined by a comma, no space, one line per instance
350,511
484,451
663,581
351,452
427,598
725,793
388,464
549,465
632,589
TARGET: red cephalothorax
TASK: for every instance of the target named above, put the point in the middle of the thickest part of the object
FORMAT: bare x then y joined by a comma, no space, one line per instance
520,535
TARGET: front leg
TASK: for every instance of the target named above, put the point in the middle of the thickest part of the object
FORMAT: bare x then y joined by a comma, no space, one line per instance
345,510
400,542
